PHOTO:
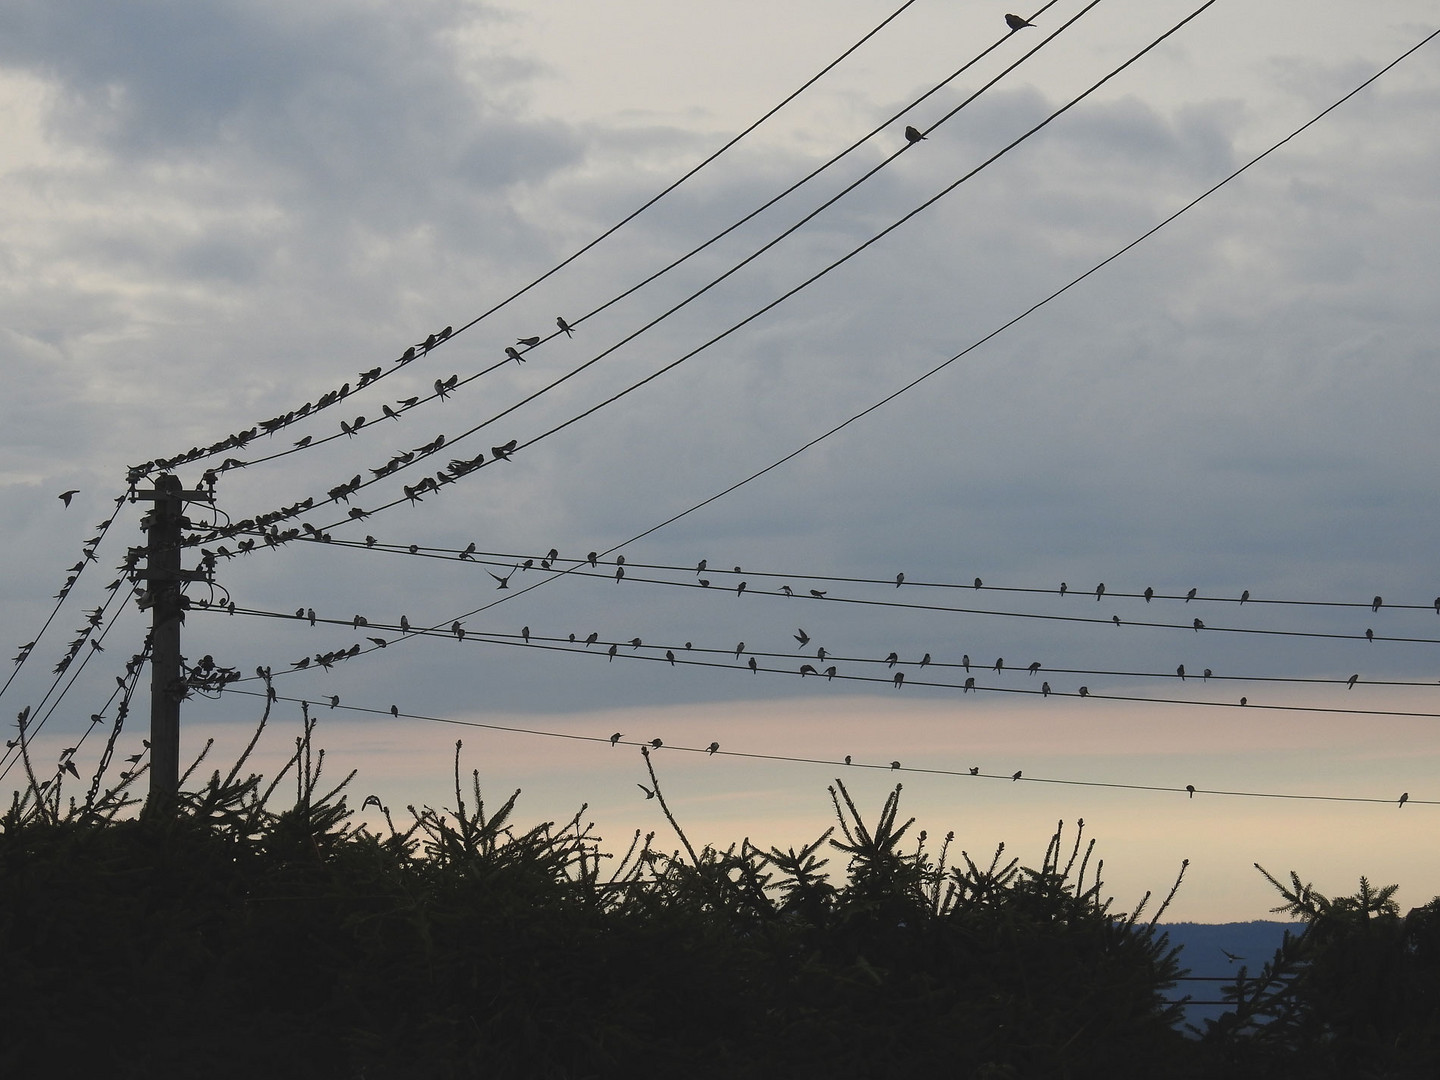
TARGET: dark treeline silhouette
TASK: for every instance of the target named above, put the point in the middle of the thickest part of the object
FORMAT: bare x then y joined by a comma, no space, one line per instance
232,938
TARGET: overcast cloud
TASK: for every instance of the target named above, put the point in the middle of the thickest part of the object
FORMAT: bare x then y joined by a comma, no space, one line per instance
214,213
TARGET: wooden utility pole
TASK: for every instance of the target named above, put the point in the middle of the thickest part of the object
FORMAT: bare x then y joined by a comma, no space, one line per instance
164,526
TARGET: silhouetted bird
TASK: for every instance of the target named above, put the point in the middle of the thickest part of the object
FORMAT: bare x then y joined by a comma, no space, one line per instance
1149,594
593,557
1017,775
700,566
829,673
1198,625
1350,683
656,744
1369,635
1208,673
1044,689
1245,596
1190,595
504,581
899,679
817,593
1191,789
802,637
965,661
511,352
1015,22
807,669
892,659
1064,588
1099,590
404,625
1404,798
1084,691
528,342
594,637
969,685
925,659
912,135
66,496
754,667
714,746
669,655
978,583
739,588
563,325
820,654
1115,619
616,737
1375,604
1231,956
648,793
974,770
612,651
1000,664
1181,672
894,764
847,759
899,580
1034,667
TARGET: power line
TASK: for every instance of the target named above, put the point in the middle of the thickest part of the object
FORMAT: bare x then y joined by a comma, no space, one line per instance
896,767
278,423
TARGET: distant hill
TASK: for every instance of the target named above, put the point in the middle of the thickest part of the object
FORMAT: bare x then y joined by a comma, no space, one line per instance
1203,948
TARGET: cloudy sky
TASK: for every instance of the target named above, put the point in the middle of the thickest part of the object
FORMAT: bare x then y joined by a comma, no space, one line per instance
214,214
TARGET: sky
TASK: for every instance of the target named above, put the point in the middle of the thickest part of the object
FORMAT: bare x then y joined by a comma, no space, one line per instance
213,214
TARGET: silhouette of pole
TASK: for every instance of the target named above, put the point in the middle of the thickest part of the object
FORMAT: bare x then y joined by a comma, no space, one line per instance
164,526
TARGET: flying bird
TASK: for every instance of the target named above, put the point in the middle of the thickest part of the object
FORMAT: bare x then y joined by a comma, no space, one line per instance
504,581
912,135
563,325
66,496
1015,22
648,793
802,637
1231,956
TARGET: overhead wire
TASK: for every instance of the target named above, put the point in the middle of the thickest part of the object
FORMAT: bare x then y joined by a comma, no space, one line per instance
892,767
450,334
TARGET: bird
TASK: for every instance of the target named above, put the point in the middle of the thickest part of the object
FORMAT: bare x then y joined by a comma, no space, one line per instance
1115,619
712,748
1084,691
820,654
1015,22
894,764
978,583
1208,673
380,642
66,496
528,342
513,354
802,637
619,573
1149,594
739,588
594,637
669,655
1034,667
1099,590
504,581
899,580
969,685
1404,798
457,630
635,643
592,557
740,648
612,651
1181,672
1244,701
1000,664
1369,635
974,770
1064,588
404,625
525,633
1191,789
616,737
563,325
1198,625
648,793
818,594
754,667
1375,604
847,759
656,744
1350,682
892,659
1016,776
1245,596
807,669
1191,595
899,679
925,659
912,135
700,566
830,673
965,661
1044,689
1231,956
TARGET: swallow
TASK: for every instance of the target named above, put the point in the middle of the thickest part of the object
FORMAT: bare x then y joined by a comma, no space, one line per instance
739,588
1198,625
593,558
1000,664
511,352
655,744
802,637
525,633
739,649
1404,798
974,770
1375,604
1115,619
619,572
754,667
380,642
820,595
1191,595
965,661
829,673
1207,674
912,135
847,759
648,793
1033,668
969,685
1099,590
404,625
563,325
700,566
1244,701
1231,956
1369,635
305,441
978,583
899,679
1015,22
712,748
66,496
504,581
807,669
310,615
899,580
1350,682
924,660
457,630
1191,789
894,764
892,659
670,655
528,342
1044,689
1245,596
1064,588
1016,776
594,637
504,451
1181,672
820,654
616,737
1084,691
1149,594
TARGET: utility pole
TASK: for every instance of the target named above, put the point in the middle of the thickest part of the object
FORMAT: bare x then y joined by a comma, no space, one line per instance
164,525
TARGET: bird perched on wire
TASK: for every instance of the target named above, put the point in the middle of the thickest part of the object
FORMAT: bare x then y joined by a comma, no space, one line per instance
528,342
616,738
563,325
1015,22
912,135
712,748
